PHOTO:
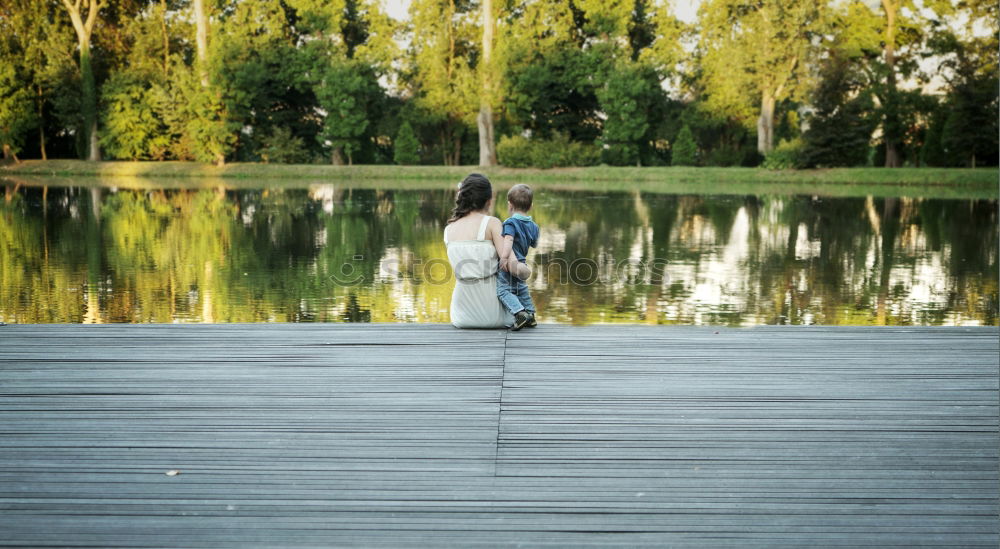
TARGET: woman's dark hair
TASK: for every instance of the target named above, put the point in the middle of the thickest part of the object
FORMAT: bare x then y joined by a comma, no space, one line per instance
473,193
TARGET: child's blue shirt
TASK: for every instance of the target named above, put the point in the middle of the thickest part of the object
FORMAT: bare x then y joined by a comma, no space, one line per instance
525,233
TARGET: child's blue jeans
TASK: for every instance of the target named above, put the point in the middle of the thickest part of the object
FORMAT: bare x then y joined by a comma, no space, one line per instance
513,293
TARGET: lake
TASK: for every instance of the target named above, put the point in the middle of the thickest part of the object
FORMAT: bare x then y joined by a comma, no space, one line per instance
276,252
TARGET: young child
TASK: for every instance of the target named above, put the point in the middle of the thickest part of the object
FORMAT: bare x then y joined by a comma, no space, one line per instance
519,233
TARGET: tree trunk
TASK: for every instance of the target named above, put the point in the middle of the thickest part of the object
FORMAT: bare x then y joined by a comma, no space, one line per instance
765,124
89,103
84,29
166,39
890,125
41,123
201,40
337,159
487,144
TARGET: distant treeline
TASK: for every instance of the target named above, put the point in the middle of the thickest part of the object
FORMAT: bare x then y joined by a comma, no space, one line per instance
783,83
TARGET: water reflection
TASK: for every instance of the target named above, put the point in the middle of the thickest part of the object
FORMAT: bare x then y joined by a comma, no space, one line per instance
332,253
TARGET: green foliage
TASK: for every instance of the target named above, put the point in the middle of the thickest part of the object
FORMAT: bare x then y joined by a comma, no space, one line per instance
259,76
786,155
685,150
841,127
725,156
209,128
347,92
444,82
630,99
17,114
932,152
558,92
281,147
969,134
281,72
406,148
756,49
131,128
520,152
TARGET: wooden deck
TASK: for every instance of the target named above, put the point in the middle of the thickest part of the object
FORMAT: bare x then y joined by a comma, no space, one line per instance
425,436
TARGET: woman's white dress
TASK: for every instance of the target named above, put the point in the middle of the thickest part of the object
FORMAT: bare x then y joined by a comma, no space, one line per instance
474,302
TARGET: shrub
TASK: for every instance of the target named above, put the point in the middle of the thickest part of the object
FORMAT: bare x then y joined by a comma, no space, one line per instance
130,127
520,152
406,149
620,154
281,147
787,155
514,151
725,156
685,150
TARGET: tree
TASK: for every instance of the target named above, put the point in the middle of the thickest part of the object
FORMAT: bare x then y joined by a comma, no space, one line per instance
932,152
211,125
887,41
38,44
406,148
17,114
969,134
843,120
443,79
201,39
629,98
132,129
759,50
344,92
83,24
685,150
137,116
209,128
348,46
966,123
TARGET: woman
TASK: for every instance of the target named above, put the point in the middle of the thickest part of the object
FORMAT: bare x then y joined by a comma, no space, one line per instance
473,237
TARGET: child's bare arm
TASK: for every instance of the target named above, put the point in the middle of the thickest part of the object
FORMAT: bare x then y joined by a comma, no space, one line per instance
521,270
507,250
510,262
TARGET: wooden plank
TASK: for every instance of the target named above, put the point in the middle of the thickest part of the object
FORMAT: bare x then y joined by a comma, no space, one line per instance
312,435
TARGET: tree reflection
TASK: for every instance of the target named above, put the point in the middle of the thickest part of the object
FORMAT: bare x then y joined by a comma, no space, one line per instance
216,255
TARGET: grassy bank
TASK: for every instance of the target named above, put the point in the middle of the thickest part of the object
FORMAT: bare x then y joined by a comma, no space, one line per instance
937,182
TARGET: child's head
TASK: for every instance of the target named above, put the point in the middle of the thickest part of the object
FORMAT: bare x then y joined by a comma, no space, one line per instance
519,198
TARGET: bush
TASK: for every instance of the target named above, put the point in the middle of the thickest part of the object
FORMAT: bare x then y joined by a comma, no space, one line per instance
520,152
685,150
787,155
620,154
129,124
724,156
406,149
281,147
514,151
931,152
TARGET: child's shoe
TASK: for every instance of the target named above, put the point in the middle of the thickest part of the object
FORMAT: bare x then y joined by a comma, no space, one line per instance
521,319
531,321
